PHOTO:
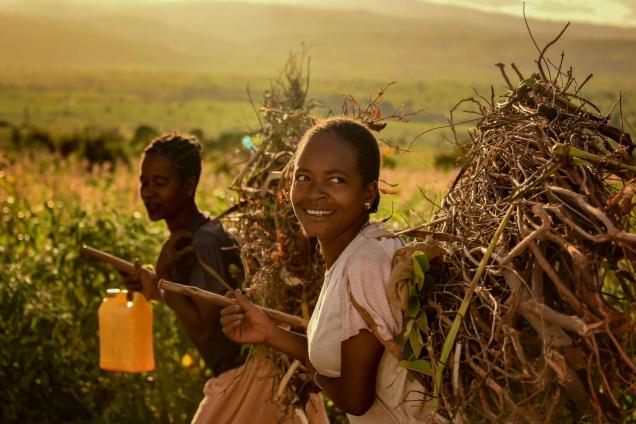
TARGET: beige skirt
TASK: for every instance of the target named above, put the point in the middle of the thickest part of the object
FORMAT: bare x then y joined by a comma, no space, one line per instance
244,395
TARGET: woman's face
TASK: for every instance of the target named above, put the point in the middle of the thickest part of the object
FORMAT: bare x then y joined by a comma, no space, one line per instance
328,194
162,191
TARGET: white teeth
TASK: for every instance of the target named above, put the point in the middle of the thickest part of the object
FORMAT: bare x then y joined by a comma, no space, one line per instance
317,212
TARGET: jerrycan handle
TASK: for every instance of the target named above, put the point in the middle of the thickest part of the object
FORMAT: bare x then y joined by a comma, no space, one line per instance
124,296
136,298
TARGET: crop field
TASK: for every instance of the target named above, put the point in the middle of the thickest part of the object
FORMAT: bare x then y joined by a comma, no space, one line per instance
63,101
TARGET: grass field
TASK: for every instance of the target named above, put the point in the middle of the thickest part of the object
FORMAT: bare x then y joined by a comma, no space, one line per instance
66,101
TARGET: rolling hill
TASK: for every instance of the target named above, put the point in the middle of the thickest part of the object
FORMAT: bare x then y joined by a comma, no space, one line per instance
399,39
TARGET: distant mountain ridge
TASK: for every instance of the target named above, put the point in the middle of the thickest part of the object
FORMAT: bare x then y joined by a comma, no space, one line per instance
425,10
396,39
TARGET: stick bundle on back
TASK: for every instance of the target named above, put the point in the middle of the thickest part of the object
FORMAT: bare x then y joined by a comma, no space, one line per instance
548,334
283,268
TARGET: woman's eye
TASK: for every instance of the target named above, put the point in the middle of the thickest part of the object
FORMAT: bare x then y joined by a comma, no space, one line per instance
300,178
337,180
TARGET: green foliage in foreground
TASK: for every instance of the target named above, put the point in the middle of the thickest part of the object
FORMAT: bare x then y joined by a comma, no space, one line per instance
53,203
49,297
49,294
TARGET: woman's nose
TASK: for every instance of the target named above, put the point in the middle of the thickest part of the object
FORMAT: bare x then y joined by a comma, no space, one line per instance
317,190
146,191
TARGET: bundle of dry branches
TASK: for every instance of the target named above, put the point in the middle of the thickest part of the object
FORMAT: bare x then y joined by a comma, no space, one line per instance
283,268
544,321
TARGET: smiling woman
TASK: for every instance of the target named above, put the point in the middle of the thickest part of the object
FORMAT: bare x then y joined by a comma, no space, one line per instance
331,198
335,187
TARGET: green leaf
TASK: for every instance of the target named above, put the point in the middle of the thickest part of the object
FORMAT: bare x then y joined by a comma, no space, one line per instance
407,353
408,328
422,322
422,366
413,308
416,342
422,261
429,284
418,274
420,267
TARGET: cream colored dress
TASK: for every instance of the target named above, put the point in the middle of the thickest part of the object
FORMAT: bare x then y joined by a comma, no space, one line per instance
244,395
365,265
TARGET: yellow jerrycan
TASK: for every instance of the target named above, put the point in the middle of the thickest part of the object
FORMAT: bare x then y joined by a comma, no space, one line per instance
125,333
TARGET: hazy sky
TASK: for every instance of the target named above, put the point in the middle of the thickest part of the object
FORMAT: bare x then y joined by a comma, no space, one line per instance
611,12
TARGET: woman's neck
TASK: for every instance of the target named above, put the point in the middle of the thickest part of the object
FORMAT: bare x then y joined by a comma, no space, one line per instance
184,218
332,249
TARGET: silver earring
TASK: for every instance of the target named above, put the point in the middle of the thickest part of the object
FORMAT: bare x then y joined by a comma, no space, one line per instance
367,205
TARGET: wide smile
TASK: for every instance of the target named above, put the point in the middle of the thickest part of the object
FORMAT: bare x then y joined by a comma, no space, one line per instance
318,213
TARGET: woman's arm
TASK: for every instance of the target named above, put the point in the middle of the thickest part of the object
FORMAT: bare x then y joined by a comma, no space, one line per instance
199,317
244,323
354,390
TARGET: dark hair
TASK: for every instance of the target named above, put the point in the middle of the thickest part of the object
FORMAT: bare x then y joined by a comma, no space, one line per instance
358,136
182,150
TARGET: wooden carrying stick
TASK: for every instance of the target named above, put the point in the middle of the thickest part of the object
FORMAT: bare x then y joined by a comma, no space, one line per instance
119,264
128,267
217,299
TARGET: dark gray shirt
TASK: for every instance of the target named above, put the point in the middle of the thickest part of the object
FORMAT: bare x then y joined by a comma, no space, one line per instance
215,247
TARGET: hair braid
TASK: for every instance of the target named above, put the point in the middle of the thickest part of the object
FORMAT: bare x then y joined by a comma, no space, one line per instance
184,151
